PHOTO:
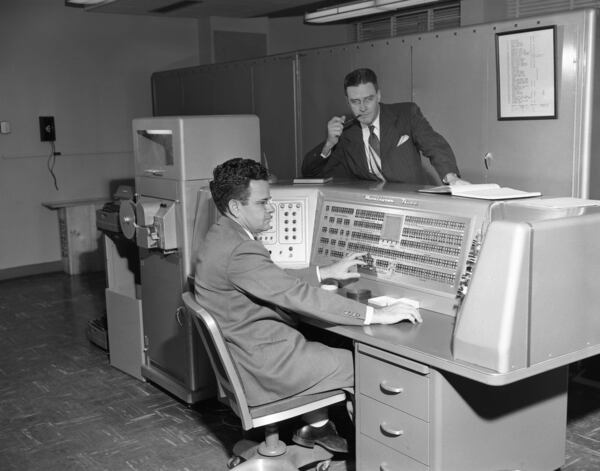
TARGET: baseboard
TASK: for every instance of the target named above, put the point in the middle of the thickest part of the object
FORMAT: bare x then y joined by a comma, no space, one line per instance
29,270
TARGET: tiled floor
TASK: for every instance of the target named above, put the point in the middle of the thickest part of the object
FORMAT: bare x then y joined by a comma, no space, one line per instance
62,407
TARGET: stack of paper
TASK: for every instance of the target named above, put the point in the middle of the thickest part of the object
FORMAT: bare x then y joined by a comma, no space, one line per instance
312,180
485,191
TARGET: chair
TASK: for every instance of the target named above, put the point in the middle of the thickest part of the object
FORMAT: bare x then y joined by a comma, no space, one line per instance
272,453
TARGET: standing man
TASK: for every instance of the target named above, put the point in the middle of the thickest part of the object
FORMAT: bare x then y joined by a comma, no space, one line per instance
379,142
257,304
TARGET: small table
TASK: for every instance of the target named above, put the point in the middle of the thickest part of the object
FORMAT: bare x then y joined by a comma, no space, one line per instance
79,235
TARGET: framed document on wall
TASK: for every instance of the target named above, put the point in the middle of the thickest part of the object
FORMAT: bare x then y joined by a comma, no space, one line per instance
526,73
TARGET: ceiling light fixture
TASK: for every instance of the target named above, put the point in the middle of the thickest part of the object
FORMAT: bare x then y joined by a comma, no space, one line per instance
179,5
85,3
358,9
342,12
399,4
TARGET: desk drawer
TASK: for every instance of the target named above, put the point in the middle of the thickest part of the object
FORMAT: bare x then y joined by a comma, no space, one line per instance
394,428
391,384
373,456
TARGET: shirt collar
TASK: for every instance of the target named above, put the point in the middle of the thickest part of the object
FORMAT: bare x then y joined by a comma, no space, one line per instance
375,123
245,230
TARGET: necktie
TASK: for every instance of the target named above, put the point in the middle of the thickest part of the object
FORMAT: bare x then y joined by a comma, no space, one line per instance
374,156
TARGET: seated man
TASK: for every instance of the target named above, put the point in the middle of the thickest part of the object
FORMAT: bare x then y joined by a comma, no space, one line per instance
256,303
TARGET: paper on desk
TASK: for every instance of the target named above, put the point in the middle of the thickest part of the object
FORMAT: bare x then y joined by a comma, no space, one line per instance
485,191
561,203
384,301
312,180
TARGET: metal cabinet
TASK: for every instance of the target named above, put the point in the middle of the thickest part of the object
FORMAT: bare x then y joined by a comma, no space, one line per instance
174,160
414,417
393,408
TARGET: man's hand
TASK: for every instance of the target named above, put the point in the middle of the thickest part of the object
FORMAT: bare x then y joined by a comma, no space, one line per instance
335,126
453,179
396,313
341,270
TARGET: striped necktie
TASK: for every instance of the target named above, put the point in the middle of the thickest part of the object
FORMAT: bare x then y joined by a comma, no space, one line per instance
373,156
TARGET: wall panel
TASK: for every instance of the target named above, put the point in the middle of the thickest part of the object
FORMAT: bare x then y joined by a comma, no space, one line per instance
197,84
321,92
274,103
232,88
391,59
167,93
451,89
454,76
451,75
541,154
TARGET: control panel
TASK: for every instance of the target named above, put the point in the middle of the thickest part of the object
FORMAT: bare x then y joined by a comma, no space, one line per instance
286,240
415,246
290,236
402,246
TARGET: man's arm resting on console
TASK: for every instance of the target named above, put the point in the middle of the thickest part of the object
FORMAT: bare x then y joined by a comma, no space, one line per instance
434,146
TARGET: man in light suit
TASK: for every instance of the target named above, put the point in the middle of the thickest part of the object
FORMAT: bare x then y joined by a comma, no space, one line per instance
380,142
256,303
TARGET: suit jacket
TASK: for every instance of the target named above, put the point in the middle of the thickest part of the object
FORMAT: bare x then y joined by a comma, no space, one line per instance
255,303
404,132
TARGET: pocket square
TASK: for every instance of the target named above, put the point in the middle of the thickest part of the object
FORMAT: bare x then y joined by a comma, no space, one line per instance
402,140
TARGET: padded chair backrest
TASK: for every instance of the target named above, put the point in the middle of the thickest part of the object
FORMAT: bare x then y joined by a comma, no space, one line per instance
228,379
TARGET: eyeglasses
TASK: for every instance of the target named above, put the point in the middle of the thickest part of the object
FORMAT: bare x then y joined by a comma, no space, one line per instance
264,203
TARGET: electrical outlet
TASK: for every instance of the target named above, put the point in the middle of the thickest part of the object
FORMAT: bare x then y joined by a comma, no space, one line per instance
47,130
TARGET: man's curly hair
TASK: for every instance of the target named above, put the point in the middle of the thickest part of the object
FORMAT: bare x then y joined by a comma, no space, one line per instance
231,180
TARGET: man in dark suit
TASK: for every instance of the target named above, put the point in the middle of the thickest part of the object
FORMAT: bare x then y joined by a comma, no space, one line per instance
256,303
380,142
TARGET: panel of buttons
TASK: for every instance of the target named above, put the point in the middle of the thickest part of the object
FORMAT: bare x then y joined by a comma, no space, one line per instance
286,240
402,245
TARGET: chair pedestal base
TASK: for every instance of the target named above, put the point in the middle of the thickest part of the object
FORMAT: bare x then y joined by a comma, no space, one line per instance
295,456
271,446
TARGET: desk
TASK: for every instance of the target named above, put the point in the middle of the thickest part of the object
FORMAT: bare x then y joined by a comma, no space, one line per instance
78,234
418,409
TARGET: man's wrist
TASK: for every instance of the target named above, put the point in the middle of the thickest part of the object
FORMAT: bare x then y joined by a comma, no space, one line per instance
325,152
450,178
324,273
369,315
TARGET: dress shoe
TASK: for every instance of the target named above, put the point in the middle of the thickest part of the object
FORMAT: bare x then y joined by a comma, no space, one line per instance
325,436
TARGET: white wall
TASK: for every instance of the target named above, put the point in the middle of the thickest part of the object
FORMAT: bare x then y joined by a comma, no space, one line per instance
92,73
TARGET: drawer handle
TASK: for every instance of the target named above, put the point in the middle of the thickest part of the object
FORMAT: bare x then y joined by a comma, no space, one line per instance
391,432
386,388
